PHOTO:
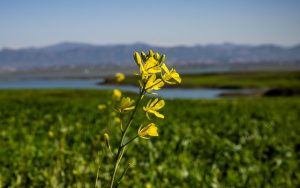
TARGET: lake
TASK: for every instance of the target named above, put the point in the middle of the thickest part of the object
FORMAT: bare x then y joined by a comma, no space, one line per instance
168,93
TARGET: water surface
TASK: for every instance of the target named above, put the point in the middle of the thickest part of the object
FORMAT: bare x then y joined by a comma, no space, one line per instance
169,93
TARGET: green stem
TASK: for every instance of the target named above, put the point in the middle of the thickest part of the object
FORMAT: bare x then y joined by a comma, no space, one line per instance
121,146
96,182
129,141
121,124
120,155
124,172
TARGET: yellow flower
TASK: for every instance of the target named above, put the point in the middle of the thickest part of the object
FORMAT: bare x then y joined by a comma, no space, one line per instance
153,107
120,77
148,185
50,134
117,94
148,131
151,66
101,106
170,75
153,83
117,120
126,104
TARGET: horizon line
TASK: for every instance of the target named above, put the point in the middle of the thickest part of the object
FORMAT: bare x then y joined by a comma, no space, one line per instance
145,43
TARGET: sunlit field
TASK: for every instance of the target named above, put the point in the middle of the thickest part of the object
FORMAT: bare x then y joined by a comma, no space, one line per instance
54,138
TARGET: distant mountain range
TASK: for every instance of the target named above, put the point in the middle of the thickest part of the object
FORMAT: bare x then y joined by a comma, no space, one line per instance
79,54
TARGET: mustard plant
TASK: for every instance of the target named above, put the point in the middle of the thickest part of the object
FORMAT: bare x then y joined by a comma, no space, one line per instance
153,75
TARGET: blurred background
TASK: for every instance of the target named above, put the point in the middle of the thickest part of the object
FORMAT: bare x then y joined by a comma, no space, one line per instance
232,122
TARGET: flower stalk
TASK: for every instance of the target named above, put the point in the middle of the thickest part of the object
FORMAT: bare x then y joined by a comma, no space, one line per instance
121,145
153,75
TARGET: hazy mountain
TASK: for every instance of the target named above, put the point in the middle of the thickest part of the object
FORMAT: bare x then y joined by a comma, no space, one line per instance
77,54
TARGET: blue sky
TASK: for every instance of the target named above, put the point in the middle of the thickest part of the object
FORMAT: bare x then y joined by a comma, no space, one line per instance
167,23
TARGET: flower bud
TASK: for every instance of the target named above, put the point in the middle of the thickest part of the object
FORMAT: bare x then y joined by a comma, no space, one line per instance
106,138
137,58
156,56
162,58
150,53
144,56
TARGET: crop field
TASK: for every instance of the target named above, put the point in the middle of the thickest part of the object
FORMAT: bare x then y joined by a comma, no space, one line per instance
54,138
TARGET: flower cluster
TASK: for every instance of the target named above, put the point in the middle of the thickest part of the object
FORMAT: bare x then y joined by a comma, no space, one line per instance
153,75
150,65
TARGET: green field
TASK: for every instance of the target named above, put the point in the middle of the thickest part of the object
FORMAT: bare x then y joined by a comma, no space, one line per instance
270,79
204,143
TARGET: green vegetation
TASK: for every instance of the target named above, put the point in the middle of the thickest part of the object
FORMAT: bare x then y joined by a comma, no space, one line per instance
53,138
239,80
